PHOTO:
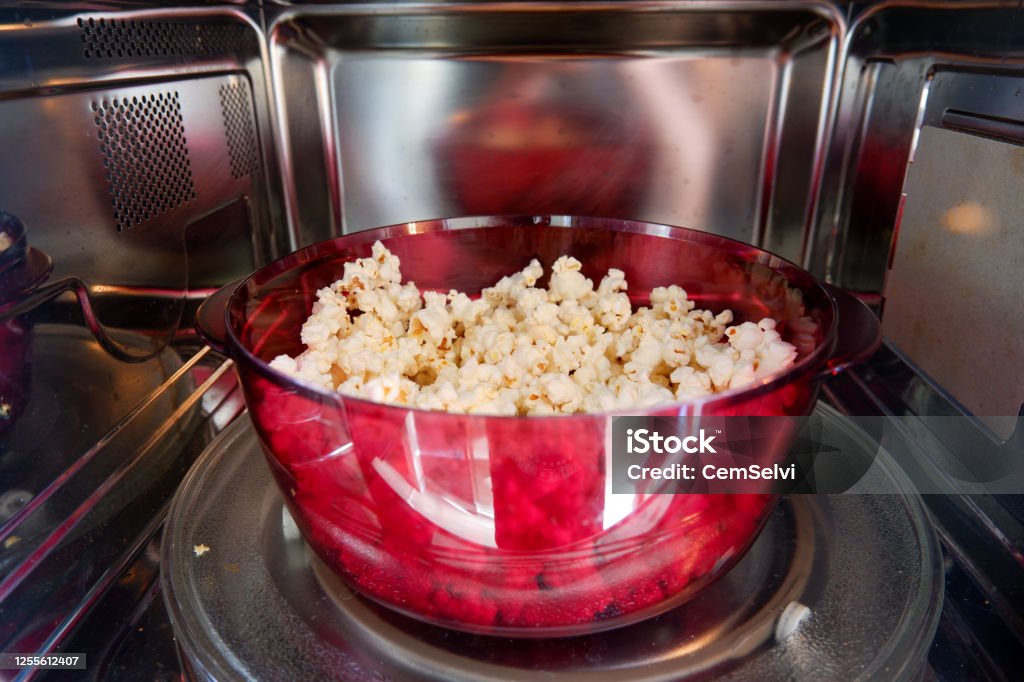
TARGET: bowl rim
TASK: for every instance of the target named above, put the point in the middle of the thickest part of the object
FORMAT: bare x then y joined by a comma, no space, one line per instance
811,363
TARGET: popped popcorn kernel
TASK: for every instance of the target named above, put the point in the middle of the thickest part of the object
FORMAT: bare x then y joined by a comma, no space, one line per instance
518,349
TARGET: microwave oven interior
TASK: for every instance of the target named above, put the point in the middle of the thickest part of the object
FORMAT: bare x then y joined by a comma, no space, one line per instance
154,152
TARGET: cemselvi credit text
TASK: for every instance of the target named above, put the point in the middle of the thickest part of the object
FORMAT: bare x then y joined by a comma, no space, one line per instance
712,472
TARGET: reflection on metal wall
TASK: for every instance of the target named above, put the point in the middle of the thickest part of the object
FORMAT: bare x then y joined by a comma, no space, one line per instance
676,117
661,138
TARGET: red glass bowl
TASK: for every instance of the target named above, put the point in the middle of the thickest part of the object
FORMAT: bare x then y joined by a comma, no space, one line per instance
507,525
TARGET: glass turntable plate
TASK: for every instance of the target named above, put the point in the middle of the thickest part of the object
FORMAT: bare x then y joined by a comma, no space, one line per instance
836,587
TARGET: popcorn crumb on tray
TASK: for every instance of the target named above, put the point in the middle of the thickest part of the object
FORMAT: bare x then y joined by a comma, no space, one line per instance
200,550
523,350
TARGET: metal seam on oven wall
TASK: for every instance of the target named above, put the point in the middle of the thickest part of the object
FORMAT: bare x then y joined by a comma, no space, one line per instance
922,109
826,248
826,126
335,173
275,161
834,247
282,144
770,151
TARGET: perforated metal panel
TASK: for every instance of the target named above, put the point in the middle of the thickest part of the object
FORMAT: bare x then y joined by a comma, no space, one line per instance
236,108
112,38
145,153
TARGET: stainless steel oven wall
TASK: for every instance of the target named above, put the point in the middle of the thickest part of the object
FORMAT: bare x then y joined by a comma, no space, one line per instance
128,132
920,198
136,150
920,205
709,115
891,58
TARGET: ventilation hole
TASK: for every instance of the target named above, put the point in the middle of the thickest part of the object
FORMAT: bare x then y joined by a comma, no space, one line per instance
118,38
236,107
146,153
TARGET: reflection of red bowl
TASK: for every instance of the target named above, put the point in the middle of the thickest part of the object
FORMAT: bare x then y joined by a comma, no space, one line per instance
519,158
505,525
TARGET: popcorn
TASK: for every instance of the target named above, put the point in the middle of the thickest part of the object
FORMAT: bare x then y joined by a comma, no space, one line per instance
522,350
743,373
433,321
675,351
599,399
380,269
613,311
775,355
612,283
508,289
671,302
747,336
560,392
568,353
690,383
330,317
567,282
390,388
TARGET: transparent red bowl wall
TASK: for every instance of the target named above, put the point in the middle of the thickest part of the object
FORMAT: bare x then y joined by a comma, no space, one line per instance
507,525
